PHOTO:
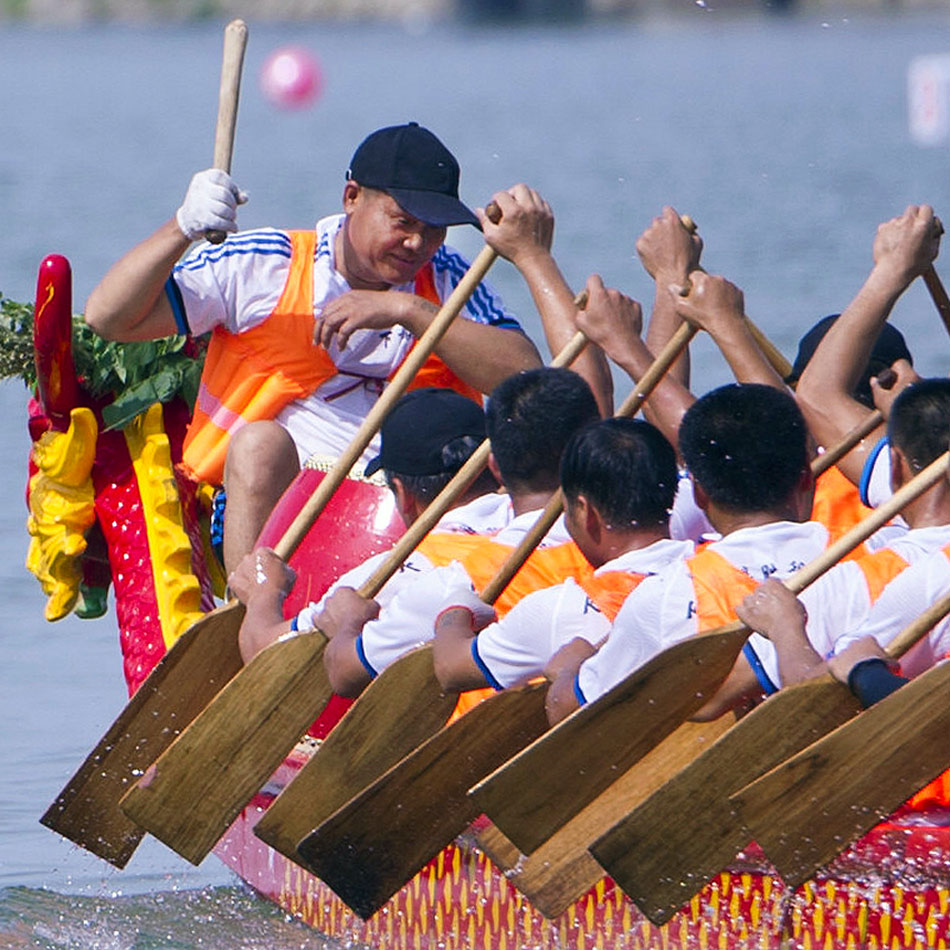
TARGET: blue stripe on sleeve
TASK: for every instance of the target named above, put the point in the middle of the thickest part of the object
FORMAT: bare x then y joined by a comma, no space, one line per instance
248,242
868,471
482,668
768,687
178,306
482,304
361,654
578,692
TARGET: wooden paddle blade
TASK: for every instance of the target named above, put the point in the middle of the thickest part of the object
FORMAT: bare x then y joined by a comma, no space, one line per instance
810,808
384,836
399,710
193,792
562,869
675,840
186,679
600,741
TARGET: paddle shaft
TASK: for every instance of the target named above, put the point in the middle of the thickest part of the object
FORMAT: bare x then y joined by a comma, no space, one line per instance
939,295
235,42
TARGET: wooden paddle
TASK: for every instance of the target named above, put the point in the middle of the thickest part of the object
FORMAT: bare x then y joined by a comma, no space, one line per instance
86,810
369,848
200,783
594,745
562,869
810,808
555,875
404,705
235,42
675,840
460,760
939,295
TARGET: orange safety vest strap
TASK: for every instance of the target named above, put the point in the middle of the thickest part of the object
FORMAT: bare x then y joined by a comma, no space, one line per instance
253,375
838,507
482,557
609,590
718,587
879,569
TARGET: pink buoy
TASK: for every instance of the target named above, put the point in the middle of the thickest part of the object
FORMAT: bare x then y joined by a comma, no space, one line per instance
290,78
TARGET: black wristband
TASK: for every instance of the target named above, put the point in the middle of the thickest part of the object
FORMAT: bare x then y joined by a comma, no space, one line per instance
872,679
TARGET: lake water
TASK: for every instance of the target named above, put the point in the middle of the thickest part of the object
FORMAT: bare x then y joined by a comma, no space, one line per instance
786,140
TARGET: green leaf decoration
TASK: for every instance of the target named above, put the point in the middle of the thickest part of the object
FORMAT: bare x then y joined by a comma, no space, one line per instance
129,377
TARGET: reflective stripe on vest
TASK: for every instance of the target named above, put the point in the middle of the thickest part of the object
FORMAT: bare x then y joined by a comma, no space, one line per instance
253,375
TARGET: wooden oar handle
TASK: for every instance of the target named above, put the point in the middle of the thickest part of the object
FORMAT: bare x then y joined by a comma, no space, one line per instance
529,542
424,347
648,381
235,42
918,629
821,463
939,295
867,526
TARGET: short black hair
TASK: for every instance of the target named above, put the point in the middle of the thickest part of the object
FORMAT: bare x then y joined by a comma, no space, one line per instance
455,454
530,417
746,445
919,422
625,468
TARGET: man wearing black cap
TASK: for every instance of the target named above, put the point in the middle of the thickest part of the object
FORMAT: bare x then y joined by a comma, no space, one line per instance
318,320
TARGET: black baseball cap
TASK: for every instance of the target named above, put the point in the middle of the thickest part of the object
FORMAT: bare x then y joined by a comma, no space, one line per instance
419,427
409,163
888,347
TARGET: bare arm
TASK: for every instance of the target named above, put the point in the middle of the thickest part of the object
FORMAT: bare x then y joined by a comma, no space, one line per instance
261,582
524,236
669,253
717,306
342,619
903,248
129,303
455,667
613,321
562,671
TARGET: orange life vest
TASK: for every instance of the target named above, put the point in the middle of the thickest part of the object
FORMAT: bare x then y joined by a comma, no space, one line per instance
251,376
482,556
838,507
937,792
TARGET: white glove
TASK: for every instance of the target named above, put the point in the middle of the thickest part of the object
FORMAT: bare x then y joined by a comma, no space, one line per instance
210,204
466,599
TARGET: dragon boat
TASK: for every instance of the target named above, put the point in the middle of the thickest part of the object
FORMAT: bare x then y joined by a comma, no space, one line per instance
108,506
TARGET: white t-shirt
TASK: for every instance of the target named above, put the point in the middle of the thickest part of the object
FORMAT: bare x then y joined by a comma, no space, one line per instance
485,515
662,610
520,644
408,620
237,284
906,597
